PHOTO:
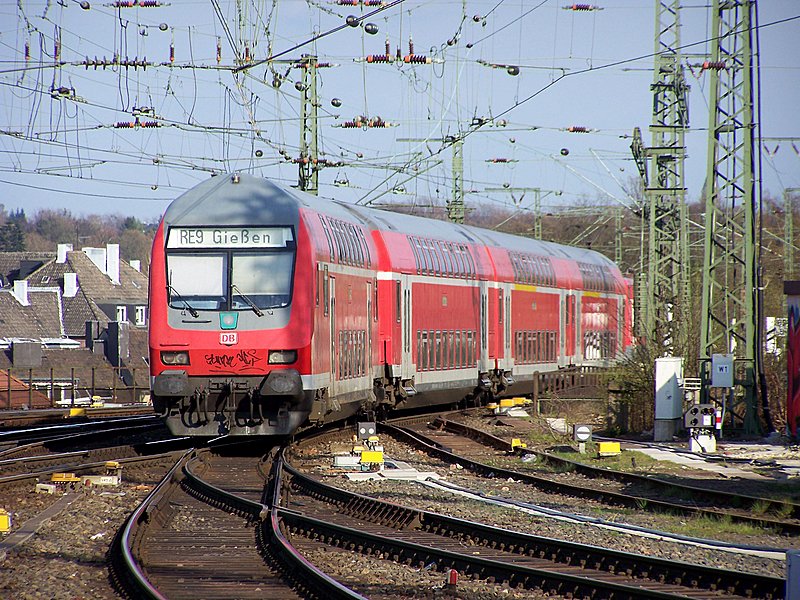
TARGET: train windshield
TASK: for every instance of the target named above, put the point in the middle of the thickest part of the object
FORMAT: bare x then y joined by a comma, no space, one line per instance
230,280
263,280
197,281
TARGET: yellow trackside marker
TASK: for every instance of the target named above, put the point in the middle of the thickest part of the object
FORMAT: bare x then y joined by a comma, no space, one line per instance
608,449
371,457
5,521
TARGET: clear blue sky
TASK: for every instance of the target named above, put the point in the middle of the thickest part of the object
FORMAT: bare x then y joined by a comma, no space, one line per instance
62,151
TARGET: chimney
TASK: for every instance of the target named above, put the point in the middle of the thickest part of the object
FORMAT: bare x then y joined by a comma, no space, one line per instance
112,262
136,264
97,256
61,253
70,285
21,291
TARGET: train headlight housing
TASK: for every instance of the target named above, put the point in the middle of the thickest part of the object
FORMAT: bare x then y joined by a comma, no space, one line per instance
282,357
175,358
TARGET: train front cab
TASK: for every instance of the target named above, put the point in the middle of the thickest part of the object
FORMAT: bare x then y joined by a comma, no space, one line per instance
230,334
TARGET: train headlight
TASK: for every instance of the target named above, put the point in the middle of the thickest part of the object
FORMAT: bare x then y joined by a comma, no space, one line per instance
282,357
175,358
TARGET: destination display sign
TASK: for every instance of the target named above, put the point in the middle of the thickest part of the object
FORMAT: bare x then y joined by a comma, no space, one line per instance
228,237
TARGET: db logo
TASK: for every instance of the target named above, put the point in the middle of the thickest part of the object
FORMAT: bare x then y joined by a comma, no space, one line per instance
229,338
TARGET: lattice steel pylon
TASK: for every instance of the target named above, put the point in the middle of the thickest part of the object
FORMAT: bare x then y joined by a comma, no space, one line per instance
666,296
730,308
308,177
455,207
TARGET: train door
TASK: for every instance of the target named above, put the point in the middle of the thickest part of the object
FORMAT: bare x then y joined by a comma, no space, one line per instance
406,368
368,360
569,327
335,353
578,328
508,361
483,360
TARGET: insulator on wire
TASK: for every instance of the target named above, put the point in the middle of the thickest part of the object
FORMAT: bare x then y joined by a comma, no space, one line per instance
578,129
347,2
501,160
135,3
246,53
27,50
135,124
410,46
172,53
373,3
582,7
417,59
380,58
388,47
713,65
219,50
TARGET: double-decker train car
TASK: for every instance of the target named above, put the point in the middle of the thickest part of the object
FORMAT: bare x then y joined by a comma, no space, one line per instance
271,309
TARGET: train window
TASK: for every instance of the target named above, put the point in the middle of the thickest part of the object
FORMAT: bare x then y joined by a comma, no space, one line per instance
337,239
357,247
434,259
346,242
367,258
398,300
499,306
325,289
375,300
414,243
358,250
201,280
328,237
447,265
471,270
458,264
261,279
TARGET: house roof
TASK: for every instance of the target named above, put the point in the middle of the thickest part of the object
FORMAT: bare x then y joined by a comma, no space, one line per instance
132,288
10,263
40,319
95,288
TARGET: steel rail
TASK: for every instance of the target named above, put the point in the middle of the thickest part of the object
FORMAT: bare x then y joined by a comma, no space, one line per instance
606,496
559,551
706,495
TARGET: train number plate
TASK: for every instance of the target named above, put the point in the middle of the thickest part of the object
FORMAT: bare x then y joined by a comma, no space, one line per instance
229,338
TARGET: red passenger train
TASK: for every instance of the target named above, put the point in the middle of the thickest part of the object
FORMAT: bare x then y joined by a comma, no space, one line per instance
271,309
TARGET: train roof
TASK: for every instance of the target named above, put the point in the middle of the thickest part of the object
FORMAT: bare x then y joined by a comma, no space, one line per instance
249,200
235,200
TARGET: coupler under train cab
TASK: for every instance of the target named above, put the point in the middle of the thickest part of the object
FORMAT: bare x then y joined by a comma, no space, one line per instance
275,404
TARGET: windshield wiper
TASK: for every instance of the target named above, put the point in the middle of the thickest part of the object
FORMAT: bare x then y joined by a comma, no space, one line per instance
248,300
188,306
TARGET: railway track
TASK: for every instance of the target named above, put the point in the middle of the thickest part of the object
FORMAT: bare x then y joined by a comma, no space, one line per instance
456,443
237,551
316,512
11,440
